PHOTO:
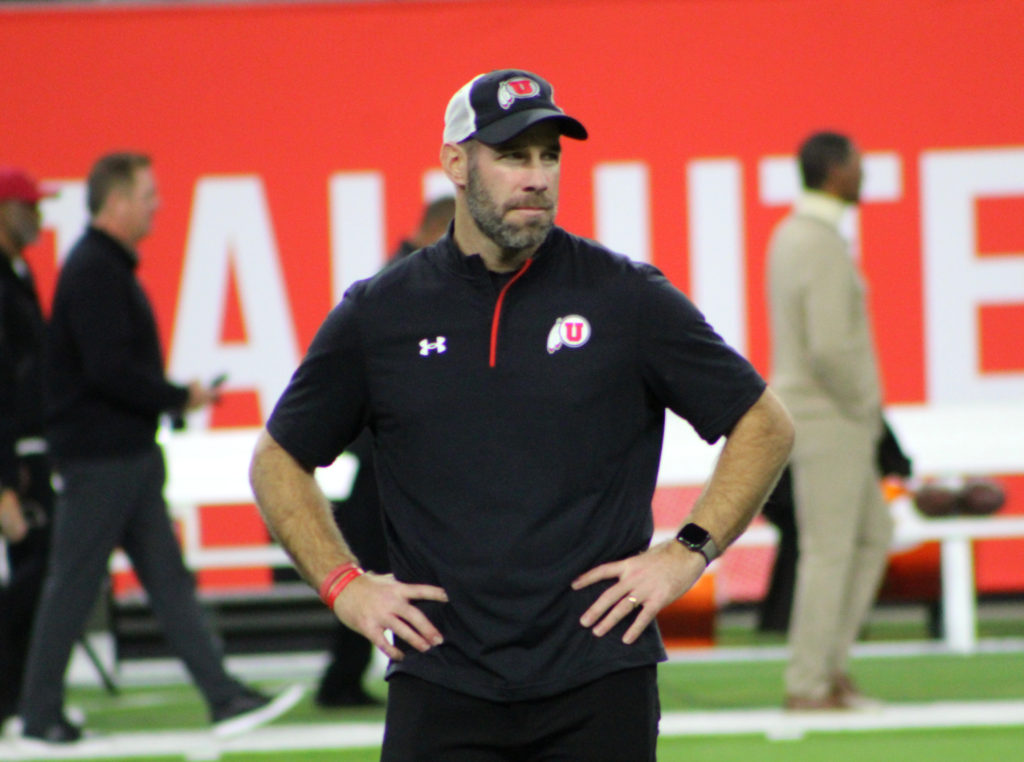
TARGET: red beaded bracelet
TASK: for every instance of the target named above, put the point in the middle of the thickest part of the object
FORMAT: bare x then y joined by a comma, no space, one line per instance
337,581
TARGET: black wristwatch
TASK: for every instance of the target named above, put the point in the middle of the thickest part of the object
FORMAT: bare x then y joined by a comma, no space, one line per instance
699,540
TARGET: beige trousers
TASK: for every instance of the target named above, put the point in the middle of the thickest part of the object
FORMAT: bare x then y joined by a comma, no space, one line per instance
845,531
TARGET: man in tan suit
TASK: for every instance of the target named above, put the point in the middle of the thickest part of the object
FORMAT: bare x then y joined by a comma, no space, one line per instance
825,370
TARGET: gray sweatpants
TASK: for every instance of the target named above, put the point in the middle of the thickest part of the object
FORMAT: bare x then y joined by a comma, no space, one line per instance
105,503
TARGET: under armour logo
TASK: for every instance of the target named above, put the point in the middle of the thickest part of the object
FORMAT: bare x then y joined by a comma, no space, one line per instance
427,346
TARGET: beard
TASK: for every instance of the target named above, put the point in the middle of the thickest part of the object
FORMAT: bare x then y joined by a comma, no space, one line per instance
509,237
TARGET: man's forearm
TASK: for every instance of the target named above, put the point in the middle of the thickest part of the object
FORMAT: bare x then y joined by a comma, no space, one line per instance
296,511
750,463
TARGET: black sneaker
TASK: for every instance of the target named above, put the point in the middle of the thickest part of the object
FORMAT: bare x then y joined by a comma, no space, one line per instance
250,709
60,732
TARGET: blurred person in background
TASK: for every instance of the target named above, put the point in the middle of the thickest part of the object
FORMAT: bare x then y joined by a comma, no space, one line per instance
437,215
359,516
824,367
774,611
26,495
105,391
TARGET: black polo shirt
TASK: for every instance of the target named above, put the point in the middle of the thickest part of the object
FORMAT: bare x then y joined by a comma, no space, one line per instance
518,428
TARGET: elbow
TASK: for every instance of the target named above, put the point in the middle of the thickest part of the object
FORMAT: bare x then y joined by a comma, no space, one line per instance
265,464
777,425
785,429
787,435
258,463
272,465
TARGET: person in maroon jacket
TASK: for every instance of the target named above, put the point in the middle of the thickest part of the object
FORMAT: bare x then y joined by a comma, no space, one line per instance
515,378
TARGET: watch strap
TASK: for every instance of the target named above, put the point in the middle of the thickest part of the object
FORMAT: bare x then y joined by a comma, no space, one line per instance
709,550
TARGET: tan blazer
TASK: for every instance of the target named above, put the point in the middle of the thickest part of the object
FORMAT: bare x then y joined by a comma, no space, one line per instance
823,355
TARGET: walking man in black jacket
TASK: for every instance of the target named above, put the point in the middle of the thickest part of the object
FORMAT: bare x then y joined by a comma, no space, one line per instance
105,391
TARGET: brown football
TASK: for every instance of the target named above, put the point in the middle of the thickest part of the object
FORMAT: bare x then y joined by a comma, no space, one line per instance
980,497
934,499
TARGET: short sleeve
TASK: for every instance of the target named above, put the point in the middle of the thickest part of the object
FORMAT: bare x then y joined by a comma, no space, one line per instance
324,406
687,366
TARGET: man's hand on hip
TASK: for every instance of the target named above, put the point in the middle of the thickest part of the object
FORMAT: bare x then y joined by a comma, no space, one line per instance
372,604
649,581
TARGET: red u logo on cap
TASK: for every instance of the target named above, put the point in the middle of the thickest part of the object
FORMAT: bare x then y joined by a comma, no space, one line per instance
520,87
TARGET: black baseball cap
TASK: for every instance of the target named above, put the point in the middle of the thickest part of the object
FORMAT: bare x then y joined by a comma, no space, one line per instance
496,106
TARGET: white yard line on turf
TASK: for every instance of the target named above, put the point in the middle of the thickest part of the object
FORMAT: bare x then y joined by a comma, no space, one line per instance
880,649
779,724
773,723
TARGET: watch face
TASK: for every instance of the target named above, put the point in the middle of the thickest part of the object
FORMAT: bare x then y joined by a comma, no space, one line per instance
693,535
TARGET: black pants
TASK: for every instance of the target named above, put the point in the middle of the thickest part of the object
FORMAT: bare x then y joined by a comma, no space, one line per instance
351,654
20,596
613,719
103,504
780,510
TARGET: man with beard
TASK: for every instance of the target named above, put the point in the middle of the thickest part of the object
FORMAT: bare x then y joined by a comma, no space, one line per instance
515,378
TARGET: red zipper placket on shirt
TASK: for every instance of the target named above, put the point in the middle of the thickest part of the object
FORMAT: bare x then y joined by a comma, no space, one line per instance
497,310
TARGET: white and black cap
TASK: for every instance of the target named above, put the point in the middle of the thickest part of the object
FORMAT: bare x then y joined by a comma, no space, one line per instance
497,106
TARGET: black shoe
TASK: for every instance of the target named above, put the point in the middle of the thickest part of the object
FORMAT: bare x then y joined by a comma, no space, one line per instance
250,709
60,732
334,699
247,700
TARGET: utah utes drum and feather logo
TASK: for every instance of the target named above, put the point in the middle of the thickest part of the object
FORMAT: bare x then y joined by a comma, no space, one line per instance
520,87
571,331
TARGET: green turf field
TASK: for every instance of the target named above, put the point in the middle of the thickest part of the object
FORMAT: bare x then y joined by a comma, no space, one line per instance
907,746
685,687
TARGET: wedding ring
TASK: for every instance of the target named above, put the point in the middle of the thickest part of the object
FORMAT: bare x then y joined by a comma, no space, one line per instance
632,599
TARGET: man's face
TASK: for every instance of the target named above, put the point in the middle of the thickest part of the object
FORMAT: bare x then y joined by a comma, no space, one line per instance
848,177
512,188
21,221
140,204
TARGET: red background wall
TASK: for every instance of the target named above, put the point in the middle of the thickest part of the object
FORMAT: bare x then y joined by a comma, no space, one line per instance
295,92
